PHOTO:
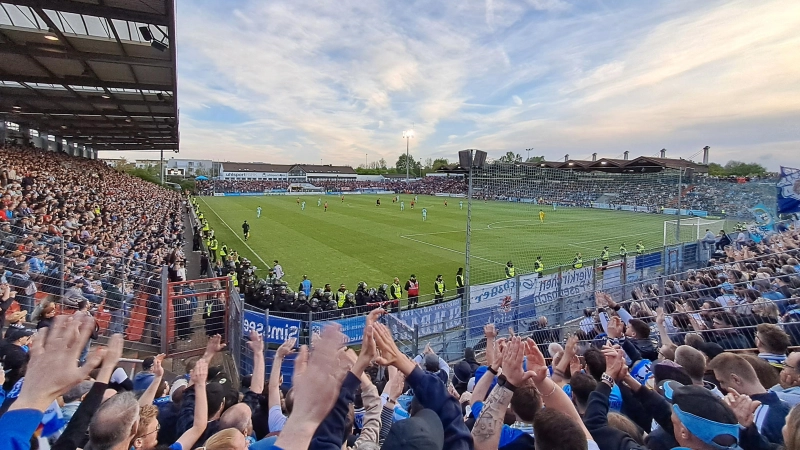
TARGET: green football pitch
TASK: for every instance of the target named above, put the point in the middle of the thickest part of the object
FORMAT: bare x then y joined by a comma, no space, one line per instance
355,240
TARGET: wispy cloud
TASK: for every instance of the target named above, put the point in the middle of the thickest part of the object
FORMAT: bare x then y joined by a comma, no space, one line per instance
302,81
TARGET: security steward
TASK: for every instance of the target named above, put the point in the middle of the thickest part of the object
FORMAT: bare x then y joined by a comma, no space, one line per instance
577,261
538,266
395,293
438,289
510,272
460,281
341,296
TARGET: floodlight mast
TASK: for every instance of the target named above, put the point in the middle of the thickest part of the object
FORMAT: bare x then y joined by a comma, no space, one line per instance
408,134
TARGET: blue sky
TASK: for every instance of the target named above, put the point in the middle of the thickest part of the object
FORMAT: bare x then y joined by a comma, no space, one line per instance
310,81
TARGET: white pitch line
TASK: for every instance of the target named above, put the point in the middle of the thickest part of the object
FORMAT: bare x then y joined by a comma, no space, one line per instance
235,234
435,232
534,221
451,250
617,237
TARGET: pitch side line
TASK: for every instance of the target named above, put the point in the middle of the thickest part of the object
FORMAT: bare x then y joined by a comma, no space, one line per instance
534,221
451,250
266,266
577,244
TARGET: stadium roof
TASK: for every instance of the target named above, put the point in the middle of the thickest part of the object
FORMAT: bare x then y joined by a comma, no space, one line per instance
256,167
285,168
640,164
101,73
316,168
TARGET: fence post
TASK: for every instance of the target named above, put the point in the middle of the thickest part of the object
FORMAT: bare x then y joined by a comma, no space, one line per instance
623,274
594,275
164,309
518,307
308,328
415,347
561,300
62,272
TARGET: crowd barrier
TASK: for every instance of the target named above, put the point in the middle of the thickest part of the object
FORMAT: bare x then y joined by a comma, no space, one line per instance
518,304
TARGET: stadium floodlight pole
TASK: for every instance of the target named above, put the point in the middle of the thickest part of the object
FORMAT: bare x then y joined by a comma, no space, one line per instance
680,188
407,135
471,160
161,166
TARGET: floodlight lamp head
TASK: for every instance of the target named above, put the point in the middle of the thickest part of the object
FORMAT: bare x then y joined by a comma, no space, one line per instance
408,134
51,35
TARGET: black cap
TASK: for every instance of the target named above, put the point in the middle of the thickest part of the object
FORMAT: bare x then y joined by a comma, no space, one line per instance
423,431
148,362
14,334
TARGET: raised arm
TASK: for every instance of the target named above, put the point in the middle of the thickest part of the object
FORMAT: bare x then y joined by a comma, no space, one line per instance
662,327
150,394
490,332
317,380
428,389
486,432
275,373
552,395
193,434
213,347
256,344
570,350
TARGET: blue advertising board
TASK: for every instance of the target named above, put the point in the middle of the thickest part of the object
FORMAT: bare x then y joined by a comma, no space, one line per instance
433,319
352,327
275,331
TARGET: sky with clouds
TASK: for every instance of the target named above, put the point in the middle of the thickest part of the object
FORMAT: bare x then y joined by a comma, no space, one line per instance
309,81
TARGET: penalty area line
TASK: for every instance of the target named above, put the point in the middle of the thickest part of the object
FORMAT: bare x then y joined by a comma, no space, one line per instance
451,250
266,266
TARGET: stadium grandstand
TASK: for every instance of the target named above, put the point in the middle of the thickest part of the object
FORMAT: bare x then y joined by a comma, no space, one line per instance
127,322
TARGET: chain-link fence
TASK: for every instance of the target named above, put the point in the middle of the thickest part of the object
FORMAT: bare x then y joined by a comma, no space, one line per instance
550,307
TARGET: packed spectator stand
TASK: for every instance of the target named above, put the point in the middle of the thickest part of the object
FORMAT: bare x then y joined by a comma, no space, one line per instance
719,197
724,371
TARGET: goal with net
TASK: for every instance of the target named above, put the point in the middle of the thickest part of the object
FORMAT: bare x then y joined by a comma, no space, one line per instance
690,229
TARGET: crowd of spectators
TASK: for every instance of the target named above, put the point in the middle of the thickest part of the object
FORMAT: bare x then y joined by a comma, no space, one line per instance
615,393
75,231
611,385
425,185
651,192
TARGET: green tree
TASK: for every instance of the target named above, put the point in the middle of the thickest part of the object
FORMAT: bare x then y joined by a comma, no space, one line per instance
413,165
535,159
440,162
737,169
382,164
716,170
511,157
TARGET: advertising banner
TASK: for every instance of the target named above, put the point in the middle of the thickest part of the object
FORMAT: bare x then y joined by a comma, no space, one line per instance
352,327
433,319
277,329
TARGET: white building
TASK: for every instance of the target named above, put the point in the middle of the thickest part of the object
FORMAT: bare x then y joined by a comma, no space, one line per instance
191,167
294,173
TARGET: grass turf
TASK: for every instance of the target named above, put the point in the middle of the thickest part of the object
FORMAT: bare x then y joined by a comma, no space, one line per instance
359,241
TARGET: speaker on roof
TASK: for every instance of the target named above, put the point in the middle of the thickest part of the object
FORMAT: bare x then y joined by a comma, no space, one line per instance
480,159
465,158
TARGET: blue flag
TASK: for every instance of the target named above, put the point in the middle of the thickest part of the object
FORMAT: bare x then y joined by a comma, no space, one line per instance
789,191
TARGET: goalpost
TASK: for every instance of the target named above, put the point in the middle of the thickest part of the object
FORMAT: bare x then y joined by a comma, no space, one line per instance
692,229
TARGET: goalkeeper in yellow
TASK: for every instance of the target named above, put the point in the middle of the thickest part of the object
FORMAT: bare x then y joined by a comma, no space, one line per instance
541,216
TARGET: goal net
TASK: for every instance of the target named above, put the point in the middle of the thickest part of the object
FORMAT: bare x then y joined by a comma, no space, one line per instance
583,209
690,229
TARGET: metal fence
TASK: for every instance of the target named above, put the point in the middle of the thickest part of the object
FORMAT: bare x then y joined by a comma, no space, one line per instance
563,298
